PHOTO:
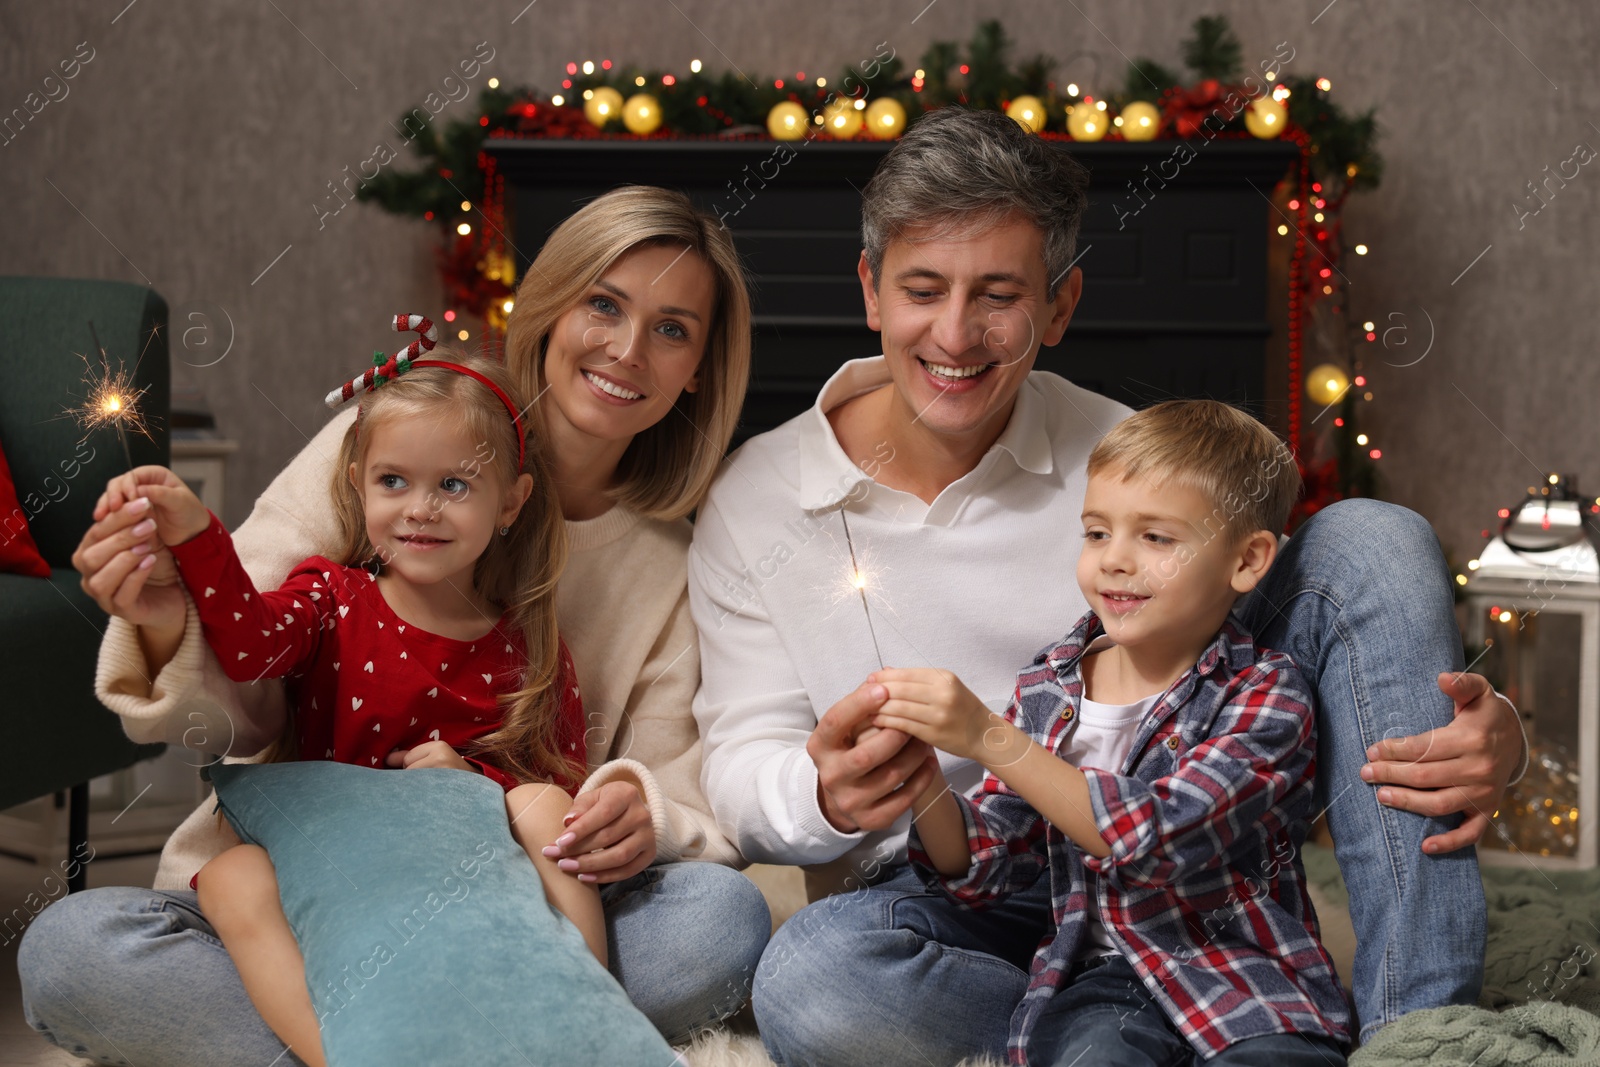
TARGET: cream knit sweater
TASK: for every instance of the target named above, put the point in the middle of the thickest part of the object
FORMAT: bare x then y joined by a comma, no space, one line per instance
624,611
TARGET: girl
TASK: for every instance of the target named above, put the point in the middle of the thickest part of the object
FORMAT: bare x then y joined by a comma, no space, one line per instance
637,288
444,637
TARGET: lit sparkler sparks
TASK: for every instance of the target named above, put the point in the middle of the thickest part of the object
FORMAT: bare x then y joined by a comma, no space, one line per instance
859,580
113,398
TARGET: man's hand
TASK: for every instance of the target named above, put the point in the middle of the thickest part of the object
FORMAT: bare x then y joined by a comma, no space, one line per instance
1461,767
866,782
934,706
429,754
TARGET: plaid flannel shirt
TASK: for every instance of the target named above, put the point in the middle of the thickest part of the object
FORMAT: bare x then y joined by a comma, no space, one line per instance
1203,891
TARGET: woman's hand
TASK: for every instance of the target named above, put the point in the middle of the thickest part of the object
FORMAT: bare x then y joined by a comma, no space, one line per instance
610,836
935,707
127,570
428,754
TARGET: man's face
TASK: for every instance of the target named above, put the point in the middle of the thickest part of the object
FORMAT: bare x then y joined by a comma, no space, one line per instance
962,316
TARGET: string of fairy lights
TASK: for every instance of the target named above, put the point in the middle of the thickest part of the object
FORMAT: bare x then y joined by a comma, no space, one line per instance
876,99
844,117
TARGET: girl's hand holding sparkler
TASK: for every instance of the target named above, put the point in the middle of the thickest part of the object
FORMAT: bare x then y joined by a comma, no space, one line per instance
123,558
177,513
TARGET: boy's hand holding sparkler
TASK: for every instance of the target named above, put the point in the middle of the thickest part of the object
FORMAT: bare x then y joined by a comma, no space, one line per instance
934,707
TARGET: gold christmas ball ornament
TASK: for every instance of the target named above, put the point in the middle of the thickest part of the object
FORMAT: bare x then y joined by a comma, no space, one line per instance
1027,112
1266,118
603,105
788,121
641,113
886,118
1087,123
1141,121
841,118
1326,384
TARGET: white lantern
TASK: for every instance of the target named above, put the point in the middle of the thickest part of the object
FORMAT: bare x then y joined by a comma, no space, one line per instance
1533,622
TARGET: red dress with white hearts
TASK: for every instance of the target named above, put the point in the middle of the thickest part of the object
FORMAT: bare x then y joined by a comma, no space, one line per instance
364,681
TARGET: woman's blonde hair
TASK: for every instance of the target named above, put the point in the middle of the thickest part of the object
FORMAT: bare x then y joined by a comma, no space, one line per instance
667,468
517,572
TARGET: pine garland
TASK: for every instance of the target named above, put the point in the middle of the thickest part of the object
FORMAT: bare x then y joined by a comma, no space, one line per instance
1213,51
1342,147
1339,151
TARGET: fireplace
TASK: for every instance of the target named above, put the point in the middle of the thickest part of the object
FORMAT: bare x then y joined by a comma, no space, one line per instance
1174,250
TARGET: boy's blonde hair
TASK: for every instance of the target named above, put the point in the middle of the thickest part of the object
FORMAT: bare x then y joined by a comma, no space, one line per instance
1224,454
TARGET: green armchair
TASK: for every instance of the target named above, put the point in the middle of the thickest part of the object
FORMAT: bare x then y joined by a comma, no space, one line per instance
58,735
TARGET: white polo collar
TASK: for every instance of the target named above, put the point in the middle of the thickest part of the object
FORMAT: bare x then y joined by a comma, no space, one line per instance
826,473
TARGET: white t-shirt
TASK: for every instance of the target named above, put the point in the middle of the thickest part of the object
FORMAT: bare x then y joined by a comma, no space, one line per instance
1103,738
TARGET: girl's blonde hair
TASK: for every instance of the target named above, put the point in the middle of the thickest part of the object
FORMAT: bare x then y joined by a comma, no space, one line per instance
667,468
517,572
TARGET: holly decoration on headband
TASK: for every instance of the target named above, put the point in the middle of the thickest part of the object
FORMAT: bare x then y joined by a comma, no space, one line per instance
388,368
385,369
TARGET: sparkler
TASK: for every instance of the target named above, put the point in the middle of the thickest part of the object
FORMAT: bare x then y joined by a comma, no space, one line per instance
859,580
113,398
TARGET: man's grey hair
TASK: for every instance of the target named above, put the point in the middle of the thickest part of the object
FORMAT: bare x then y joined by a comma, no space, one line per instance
959,169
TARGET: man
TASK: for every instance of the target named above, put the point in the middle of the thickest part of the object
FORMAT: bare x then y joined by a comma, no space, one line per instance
947,477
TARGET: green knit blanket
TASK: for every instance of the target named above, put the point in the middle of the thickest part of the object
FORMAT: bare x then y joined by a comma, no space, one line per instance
1540,1005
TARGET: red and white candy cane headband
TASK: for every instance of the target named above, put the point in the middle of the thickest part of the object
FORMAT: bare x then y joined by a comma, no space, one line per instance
397,364
403,360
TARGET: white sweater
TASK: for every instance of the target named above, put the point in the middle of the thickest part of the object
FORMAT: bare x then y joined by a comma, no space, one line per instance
624,614
976,583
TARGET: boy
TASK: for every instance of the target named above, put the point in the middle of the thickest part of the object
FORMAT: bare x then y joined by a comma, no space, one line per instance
1158,765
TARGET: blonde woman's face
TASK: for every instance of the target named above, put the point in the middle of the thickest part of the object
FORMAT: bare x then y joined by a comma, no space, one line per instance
618,361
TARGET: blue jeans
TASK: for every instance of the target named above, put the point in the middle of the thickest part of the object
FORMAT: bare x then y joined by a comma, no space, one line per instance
897,974
1105,1016
125,975
1360,597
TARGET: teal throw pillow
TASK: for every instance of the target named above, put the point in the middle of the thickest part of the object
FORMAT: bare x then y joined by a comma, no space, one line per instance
424,925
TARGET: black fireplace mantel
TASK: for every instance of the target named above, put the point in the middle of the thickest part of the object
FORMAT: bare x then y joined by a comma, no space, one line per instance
1173,250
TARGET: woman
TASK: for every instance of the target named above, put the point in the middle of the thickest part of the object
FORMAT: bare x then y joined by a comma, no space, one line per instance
632,327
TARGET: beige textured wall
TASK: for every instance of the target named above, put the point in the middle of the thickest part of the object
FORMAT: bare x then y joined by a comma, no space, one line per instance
191,148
